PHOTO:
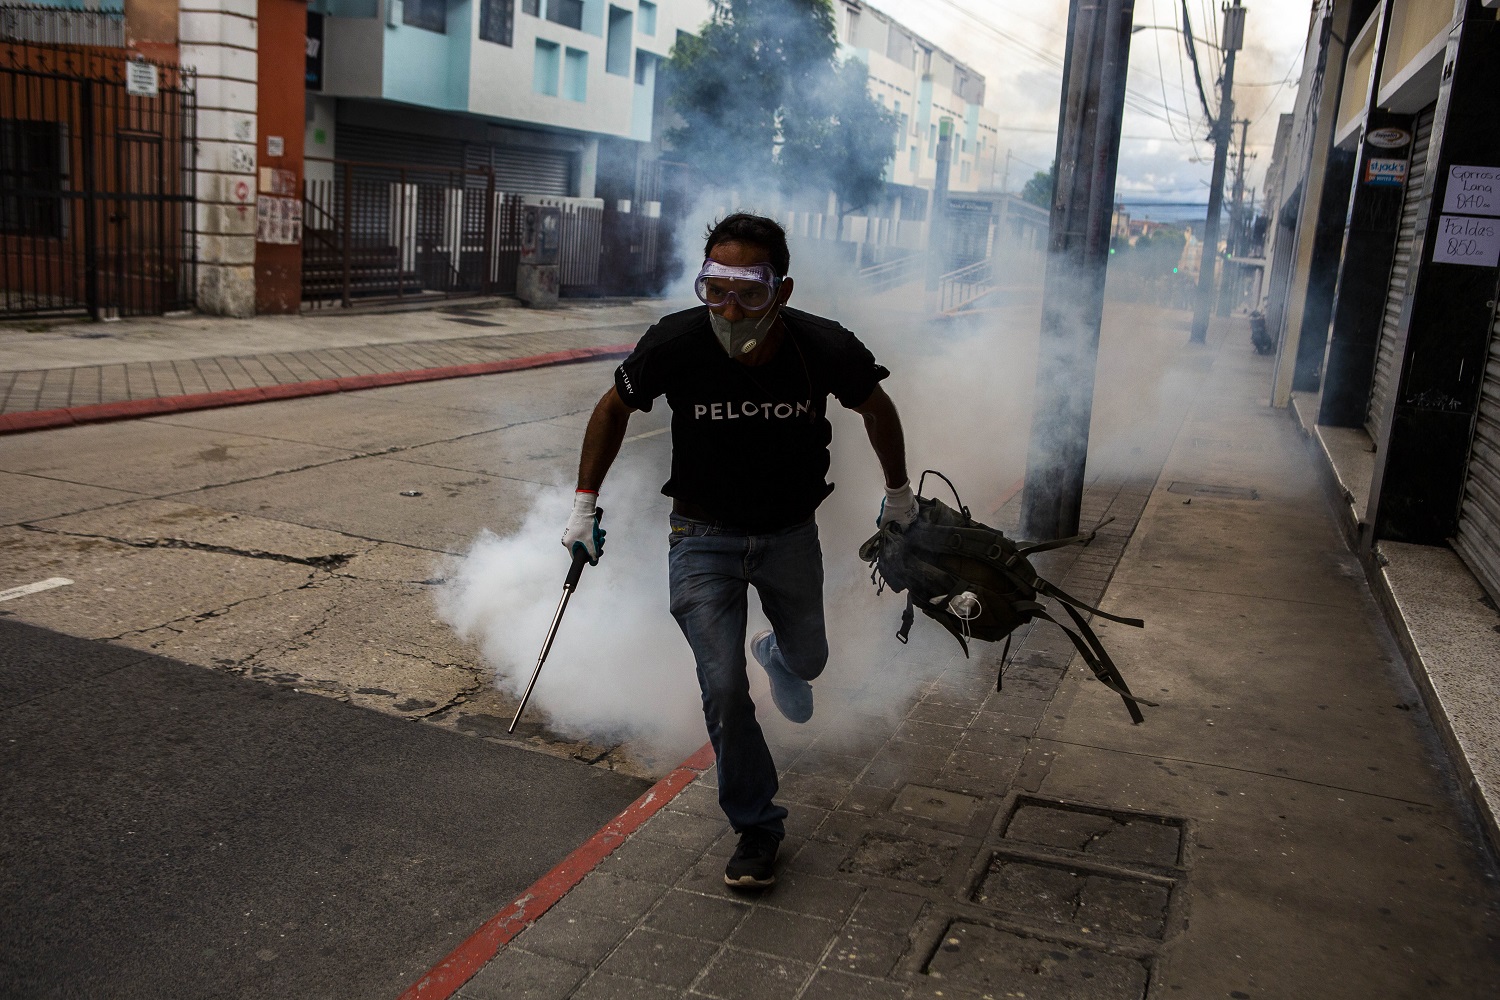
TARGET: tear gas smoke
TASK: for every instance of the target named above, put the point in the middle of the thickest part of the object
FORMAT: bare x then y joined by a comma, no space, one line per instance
621,670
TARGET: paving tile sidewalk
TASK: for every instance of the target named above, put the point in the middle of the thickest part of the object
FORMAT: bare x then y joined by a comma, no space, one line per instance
150,360
1004,844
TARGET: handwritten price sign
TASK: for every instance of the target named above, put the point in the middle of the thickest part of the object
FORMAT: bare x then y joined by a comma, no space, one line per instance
1467,241
1472,190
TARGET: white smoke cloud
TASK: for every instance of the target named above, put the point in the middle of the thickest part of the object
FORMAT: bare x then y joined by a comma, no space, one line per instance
621,670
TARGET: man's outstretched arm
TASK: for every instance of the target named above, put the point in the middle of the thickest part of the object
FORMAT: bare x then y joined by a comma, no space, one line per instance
602,440
883,425
601,443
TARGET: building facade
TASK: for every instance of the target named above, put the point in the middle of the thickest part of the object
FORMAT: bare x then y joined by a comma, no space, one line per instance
1384,289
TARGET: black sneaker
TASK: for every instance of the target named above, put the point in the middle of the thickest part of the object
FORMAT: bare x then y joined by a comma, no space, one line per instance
754,861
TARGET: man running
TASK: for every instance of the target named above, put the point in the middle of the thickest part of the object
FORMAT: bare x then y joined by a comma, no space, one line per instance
748,381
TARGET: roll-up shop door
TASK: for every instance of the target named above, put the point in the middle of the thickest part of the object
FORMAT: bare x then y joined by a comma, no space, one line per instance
524,169
1387,360
1478,539
378,145
518,169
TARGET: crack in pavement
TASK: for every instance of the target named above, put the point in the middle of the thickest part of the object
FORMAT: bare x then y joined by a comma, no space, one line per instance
327,562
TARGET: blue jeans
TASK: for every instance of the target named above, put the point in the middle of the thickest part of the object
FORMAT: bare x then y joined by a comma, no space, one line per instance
710,570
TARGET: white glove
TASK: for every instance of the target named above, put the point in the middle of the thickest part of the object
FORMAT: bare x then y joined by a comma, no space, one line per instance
899,505
583,527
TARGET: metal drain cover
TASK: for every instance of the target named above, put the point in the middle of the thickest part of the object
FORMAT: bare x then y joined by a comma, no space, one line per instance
1106,834
1075,897
936,804
1000,963
1215,492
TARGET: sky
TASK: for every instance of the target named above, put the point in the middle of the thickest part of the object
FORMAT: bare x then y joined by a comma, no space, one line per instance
1018,47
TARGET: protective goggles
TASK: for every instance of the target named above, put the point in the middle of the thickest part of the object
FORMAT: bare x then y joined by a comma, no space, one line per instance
753,287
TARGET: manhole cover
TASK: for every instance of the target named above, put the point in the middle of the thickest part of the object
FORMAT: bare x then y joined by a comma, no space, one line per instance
1106,834
1075,897
936,804
889,856
1002,963
1213,491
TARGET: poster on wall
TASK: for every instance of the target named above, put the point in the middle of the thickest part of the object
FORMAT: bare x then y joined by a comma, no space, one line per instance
278,220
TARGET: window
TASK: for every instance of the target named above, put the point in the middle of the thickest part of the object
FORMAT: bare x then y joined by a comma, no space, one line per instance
913,166
647,11
532,7
898,47
544,69
31,175
429,15
963,171
497,21
576,75
568,13
642,66
617,44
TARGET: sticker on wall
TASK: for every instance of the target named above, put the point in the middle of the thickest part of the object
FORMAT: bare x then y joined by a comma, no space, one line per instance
1388,138
1472,190
1463,240
1384,170
275,145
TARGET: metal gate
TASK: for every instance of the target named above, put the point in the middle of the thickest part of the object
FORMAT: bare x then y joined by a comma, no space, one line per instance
376,231
1387,354
1478,538
96,183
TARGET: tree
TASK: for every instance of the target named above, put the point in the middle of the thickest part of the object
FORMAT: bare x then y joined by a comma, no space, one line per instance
733,83
764,100
841,140
1038,190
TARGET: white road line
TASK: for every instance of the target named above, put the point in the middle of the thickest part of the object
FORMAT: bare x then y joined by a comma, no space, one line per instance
648,434
34,588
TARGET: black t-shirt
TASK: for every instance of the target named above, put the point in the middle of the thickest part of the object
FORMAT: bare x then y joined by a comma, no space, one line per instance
749,444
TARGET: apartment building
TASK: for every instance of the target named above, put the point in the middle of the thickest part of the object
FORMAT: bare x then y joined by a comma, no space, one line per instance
554,95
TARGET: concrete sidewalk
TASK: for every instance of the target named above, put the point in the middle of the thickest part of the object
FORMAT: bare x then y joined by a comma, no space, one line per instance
49,367
1284,825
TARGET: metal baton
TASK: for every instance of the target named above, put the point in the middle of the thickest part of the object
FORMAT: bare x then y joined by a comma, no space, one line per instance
580,560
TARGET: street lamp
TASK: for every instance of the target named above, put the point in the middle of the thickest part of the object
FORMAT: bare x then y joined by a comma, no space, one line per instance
1136,29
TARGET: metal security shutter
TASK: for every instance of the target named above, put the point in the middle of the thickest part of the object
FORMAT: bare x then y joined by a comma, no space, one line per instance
1478,538
518,169
377,145
1387,359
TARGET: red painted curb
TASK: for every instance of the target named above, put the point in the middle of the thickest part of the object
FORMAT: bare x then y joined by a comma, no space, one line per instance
35,420
445,978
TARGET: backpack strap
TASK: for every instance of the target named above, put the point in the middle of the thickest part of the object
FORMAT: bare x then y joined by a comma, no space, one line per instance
1103,668
1080,539
907,617
1070,602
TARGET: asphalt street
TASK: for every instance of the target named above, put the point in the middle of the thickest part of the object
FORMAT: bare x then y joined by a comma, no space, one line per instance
171,831
243,757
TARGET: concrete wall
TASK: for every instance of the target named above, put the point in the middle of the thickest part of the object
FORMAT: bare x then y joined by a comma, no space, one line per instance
218,38
281,121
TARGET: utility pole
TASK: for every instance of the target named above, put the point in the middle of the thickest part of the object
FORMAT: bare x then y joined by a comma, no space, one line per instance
1227,288
937,229
1234,37
1083,201
1237,220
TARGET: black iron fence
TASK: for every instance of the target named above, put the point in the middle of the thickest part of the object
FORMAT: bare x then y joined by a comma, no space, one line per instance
379,231
96,183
